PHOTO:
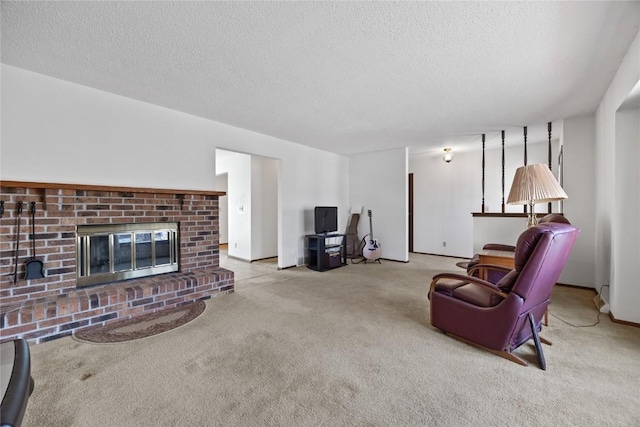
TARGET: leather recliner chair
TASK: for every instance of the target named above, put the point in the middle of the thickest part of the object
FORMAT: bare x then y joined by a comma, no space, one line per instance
501,317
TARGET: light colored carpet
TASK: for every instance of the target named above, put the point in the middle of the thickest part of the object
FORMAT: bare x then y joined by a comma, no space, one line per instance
348,347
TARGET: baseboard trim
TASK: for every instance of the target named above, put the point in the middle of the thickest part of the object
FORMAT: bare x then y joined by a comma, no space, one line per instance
587,288
395,260
239,259
263,259
623,322
444,256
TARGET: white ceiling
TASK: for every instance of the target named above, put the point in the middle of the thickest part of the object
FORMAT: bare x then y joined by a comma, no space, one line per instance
345,77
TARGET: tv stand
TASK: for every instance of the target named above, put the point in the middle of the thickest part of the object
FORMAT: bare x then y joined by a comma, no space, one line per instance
326,251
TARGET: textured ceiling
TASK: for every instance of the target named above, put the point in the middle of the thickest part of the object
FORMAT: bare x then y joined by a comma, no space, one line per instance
345,77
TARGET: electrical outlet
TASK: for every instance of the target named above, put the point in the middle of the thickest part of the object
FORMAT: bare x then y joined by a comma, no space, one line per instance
235,245
444,244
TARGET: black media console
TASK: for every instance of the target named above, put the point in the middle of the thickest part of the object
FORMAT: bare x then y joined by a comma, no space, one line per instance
326,251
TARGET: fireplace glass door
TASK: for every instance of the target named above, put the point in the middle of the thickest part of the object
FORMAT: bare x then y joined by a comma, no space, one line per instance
114,252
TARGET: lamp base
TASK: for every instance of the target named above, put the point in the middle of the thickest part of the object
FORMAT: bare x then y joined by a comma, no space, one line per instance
532,218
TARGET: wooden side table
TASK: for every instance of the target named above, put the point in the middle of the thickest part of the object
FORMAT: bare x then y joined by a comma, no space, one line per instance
503,258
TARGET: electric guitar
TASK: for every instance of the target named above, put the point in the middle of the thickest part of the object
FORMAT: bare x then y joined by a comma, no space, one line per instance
371,250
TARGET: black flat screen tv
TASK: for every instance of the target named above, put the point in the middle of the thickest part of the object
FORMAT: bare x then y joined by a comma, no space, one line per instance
326,219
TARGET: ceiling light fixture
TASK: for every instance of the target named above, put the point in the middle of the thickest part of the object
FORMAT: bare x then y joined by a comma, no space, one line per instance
448,156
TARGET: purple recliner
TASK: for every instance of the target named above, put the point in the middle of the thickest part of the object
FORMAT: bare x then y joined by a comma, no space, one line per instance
501,317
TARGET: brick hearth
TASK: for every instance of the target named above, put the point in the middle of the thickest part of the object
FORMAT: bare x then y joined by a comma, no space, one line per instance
48,308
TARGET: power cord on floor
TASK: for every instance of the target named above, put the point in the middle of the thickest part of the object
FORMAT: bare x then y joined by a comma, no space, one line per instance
581,326
577,326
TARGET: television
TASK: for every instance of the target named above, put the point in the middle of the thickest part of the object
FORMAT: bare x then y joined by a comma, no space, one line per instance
325,219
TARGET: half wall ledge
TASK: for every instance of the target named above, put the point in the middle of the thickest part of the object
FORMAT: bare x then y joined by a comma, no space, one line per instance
504,228
506,215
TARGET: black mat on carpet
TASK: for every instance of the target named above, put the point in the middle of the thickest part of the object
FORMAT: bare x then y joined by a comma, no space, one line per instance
142,326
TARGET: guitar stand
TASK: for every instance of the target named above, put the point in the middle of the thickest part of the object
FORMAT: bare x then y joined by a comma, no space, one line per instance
363,260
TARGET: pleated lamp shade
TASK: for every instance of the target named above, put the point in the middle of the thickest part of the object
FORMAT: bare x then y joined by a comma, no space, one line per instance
535,184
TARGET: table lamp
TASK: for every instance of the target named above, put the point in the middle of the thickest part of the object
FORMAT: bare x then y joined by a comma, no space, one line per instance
534,184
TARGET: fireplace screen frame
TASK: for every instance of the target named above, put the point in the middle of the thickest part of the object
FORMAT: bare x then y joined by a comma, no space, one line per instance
114,269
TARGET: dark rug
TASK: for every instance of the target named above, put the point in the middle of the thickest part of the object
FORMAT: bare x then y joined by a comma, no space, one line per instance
142,326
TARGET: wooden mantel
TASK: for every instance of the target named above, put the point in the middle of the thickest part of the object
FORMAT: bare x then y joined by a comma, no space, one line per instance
88,187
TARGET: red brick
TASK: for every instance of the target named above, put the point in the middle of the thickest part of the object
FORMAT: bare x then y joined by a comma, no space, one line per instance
87,314
26,316
8,332
73,304
12,318
63,306
39,333
55,321
38,312
133,311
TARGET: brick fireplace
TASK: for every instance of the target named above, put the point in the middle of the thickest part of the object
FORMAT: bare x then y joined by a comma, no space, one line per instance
54,306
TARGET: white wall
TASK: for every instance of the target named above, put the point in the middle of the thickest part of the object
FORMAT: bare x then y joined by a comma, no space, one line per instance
264,211
252,195
446,194
73,134
379,182
579,184
237,166
613,236
504,230
329,187
223,205
64,127
626,259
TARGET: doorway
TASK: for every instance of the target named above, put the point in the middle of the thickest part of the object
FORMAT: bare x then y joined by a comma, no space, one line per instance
252,204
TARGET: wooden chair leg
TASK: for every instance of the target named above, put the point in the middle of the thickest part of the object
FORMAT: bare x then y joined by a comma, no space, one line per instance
536,340
504,354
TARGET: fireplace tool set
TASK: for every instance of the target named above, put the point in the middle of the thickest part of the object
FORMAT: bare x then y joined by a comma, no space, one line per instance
33,267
